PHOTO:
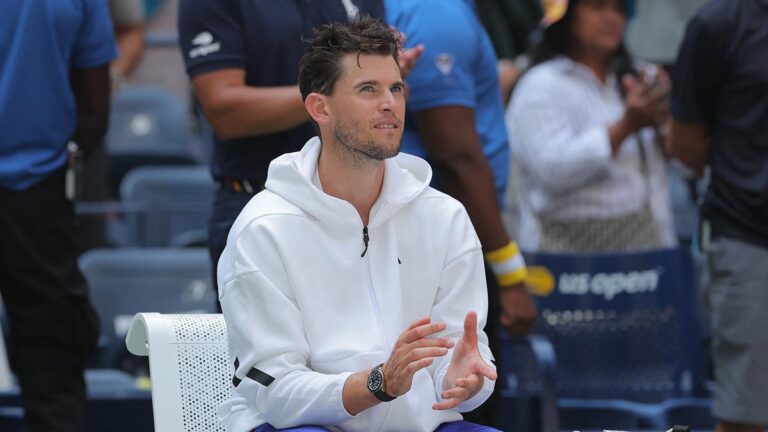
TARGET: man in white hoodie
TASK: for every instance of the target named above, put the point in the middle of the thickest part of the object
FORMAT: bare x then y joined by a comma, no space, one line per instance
354,294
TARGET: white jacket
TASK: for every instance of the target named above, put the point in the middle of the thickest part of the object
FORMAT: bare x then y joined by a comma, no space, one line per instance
304,308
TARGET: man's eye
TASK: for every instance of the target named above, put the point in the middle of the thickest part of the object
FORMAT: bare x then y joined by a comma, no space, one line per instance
397,89
367,89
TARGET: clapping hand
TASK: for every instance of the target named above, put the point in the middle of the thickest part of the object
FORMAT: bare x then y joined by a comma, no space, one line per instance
412,352
647,99
467,370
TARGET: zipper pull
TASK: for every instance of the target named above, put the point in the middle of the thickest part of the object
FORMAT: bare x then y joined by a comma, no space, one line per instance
365,240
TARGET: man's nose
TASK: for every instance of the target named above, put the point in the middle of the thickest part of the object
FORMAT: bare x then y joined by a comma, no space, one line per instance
388,100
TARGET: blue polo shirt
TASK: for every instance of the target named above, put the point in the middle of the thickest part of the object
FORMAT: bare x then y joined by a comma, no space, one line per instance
458,67
721,81
264,38
41,41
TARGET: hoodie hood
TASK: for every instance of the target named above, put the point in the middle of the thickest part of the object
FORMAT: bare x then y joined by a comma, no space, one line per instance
290,176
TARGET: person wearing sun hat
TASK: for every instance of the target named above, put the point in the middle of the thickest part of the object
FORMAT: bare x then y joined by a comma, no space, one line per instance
583,123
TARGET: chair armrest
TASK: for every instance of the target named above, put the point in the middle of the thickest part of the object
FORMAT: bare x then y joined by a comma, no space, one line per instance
137,339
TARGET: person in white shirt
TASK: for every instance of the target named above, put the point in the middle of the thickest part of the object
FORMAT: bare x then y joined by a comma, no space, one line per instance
354,294
584,123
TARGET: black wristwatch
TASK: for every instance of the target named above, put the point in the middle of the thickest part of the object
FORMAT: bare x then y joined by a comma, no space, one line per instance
376,384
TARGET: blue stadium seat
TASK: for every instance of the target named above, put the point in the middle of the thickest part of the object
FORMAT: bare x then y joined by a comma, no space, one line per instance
11,419
114,404
148,126
526,368
124,282
176,203
625,328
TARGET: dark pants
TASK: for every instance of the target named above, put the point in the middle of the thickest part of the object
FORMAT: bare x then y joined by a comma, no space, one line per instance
93,186
53,326
226,206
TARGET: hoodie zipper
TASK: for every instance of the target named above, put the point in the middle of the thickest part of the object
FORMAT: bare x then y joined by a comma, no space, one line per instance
377,312
365,240
369,278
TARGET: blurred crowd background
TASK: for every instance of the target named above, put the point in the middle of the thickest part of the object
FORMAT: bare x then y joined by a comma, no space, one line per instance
613,117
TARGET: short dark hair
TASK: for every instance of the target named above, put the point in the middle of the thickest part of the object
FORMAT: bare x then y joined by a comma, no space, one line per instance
320,66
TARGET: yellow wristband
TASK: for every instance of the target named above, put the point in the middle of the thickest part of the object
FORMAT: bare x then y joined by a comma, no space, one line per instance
508,264
506,253
513,278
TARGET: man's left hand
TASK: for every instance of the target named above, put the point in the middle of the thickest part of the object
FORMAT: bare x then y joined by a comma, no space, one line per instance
518,310
407,57
467,370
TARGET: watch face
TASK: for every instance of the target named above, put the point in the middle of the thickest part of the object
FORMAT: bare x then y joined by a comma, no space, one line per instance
374,380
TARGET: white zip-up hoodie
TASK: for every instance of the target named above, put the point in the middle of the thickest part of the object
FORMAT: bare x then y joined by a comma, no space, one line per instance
307,304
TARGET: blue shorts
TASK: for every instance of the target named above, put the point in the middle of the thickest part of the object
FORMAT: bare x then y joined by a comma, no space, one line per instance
458,426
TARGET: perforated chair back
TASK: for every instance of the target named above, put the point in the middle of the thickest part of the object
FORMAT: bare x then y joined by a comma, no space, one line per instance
176,200
624,326
189,367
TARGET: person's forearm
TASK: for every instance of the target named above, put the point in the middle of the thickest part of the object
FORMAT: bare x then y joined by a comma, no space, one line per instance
470,180
357,398
91,90
242,111
454,147
130,41
689,143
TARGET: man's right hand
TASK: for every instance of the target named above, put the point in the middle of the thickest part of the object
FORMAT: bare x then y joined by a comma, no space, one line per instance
412,352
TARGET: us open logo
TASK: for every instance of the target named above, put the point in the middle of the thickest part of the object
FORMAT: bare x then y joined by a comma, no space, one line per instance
609,285
542,282
444,63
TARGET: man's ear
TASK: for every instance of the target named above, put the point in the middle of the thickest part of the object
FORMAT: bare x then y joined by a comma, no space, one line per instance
317,107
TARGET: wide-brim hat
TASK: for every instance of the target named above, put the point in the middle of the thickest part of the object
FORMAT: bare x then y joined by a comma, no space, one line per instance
554,10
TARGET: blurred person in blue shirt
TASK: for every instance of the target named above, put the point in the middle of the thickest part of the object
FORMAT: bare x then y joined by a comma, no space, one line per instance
455,120
54,90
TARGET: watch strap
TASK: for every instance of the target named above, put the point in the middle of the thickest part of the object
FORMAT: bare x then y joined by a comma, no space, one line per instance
380,393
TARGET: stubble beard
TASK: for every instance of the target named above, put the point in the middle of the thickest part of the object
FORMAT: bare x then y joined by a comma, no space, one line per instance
361,152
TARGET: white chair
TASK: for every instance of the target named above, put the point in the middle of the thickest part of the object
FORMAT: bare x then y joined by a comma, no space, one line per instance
189,367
